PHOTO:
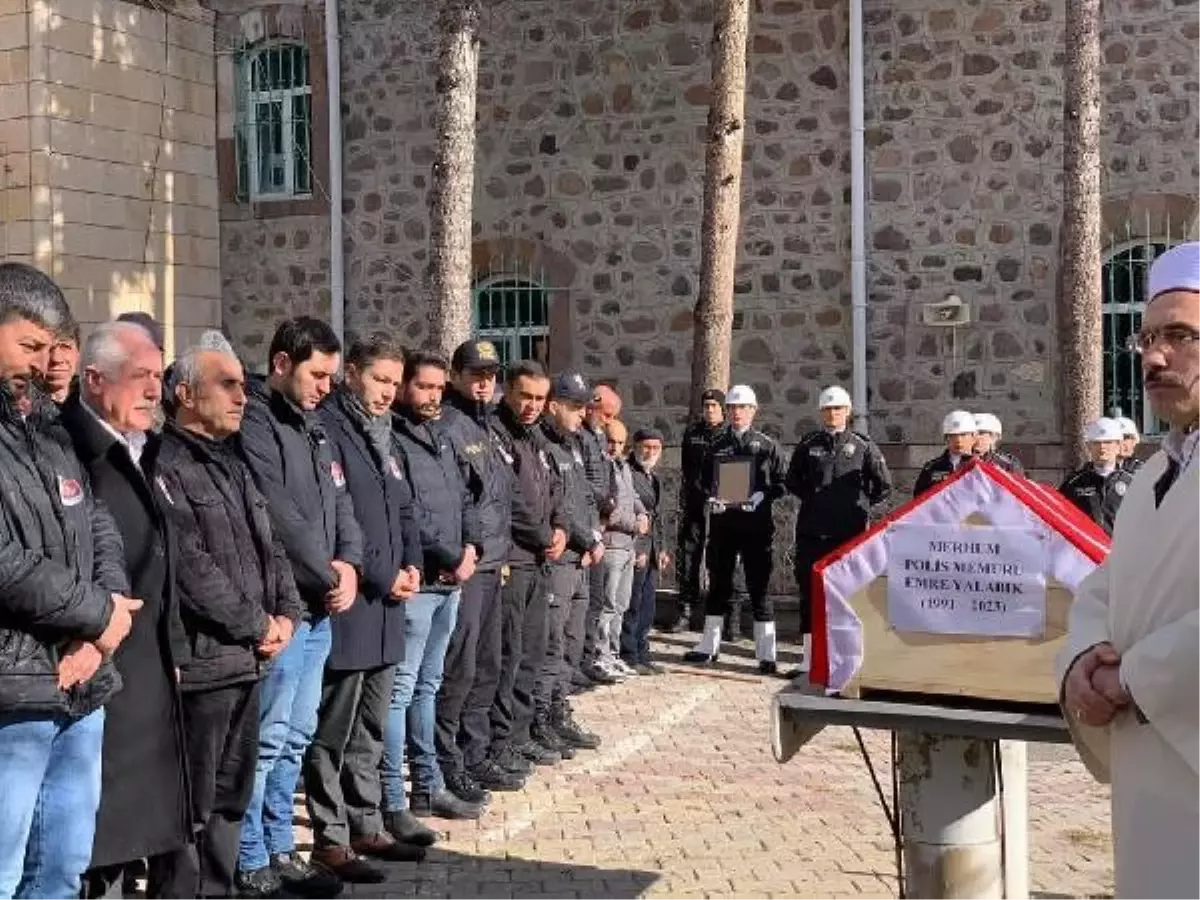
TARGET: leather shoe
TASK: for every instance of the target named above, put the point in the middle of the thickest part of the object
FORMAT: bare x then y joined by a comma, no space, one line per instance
703,659
348,865
408,829
382,845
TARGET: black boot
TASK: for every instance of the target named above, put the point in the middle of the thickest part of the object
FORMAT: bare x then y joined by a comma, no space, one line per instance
541,732
571,732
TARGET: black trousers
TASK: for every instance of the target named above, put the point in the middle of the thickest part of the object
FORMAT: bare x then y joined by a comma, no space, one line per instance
171,874
748,536
806,553
221,728
472,672
569,601
524,626
341,767
689,553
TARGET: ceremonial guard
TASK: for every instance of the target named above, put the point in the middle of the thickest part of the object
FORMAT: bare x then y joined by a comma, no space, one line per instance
988,432
1099,486
838,475
743,527
958,431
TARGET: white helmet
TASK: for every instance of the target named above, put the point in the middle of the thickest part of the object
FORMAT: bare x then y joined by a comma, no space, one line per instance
989,423
958,422
833,396
1103,430
741,395
1129,428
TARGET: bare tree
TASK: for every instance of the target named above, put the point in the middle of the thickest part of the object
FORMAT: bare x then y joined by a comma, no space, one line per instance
1080,325
453,175
713,315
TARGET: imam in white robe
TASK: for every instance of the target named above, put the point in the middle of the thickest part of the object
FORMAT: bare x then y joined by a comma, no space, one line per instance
1144,600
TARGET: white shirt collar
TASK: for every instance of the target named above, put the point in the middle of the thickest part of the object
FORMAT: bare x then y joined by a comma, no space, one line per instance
739,431
134,442
1181,445
1104,470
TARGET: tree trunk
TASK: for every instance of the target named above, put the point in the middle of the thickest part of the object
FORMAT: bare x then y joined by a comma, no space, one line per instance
453,175
713,315
1080,324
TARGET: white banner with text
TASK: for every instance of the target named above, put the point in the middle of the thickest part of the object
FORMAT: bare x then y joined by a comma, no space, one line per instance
969,580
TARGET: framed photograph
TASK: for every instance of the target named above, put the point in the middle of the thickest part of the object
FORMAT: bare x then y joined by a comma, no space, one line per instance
734,481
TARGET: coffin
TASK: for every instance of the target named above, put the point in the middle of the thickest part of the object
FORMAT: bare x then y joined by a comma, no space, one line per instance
964,592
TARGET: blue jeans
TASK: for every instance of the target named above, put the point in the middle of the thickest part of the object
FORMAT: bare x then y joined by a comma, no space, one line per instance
428,623
639,618
49,794
287,721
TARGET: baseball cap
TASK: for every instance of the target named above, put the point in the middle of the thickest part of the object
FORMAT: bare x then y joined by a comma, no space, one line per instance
571,387
475,356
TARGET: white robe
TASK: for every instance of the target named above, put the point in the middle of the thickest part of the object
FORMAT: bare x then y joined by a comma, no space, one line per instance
1144,600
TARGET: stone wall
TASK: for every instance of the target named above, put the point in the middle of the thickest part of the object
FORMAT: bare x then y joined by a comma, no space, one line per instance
106,128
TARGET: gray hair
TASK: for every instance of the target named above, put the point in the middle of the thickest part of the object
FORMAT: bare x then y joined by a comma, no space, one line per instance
27,293
107,347
186,369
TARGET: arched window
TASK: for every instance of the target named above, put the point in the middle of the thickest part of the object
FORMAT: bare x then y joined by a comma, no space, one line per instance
274,134
514,314
1124,301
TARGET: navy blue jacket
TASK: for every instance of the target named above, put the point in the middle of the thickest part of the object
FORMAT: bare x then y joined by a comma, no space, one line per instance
468,426
445,511
371,633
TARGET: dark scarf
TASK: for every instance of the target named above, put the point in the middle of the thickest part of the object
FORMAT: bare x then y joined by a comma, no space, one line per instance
378,429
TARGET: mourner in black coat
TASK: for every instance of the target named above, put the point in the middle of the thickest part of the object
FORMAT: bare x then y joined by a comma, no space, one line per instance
341,768
144,752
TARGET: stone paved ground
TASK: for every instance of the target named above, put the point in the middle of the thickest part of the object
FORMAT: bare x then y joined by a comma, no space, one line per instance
685,800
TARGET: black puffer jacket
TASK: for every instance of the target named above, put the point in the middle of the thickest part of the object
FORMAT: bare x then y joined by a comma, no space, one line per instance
311,511
61,560
467,424
578,499
233,572
444,509
537,508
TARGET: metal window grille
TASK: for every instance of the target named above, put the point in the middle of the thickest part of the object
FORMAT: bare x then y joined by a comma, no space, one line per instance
274,123
513,313
1124,284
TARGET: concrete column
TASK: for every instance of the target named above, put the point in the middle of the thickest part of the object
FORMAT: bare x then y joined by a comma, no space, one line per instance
949,815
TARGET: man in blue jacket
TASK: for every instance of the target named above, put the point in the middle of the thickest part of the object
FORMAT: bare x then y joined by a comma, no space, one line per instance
341,769
312,514
451,547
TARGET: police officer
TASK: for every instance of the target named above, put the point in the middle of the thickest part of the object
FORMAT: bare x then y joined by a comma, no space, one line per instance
958,431
693,493
1099,486
1129,444
473,658
745,529
988,431
838,475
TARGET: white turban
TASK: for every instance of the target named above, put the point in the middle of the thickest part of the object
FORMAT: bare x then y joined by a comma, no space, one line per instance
1176,270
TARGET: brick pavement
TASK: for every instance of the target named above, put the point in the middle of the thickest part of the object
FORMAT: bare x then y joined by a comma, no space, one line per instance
685,800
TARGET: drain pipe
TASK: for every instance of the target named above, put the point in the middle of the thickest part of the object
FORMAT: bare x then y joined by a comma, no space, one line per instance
858,223
337,261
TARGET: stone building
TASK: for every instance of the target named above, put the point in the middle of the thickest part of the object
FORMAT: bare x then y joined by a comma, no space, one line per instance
108,171
588,193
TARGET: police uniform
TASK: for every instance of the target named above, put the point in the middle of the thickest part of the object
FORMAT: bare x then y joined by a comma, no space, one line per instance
938,470
1098,494
1005,461
838,477
1131,464
737,531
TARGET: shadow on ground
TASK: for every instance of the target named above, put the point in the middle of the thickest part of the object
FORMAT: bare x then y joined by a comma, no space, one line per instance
446,873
